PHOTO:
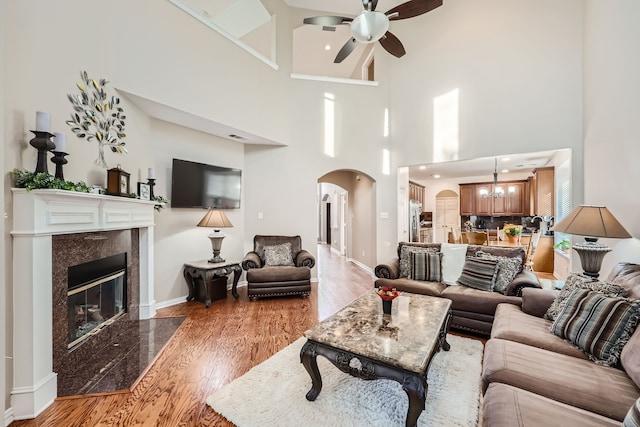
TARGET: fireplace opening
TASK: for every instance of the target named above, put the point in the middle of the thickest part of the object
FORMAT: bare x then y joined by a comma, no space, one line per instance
96,296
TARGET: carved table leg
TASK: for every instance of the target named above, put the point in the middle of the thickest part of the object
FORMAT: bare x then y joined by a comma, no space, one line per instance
189,279
308,358
237,271
443,334
417,392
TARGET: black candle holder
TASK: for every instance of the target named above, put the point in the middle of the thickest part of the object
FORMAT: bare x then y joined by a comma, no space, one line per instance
152,183
59,160
43,143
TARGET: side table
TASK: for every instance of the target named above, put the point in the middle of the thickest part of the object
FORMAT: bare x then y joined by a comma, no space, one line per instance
205,273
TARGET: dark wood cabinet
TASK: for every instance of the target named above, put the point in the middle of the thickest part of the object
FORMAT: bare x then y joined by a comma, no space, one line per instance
416,192
467,199
515,201
544,191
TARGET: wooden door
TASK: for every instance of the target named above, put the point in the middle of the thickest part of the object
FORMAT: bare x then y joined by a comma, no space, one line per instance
447,216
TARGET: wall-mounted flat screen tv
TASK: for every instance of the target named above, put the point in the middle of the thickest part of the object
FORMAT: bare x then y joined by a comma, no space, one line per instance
198,185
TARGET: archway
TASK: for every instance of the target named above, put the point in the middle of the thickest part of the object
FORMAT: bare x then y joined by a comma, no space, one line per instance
346,212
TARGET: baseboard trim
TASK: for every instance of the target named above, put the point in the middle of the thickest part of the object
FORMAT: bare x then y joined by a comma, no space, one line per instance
362,266
8,417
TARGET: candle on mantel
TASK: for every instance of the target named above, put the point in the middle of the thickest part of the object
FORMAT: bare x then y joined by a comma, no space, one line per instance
152,174
43,121
61,142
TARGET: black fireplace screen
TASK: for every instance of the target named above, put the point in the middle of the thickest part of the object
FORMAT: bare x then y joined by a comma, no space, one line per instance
96,296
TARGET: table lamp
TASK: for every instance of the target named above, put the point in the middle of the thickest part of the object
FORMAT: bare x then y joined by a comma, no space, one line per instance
216,219
592,222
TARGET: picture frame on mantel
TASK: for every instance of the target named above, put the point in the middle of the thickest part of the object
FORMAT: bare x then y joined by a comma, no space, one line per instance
144,191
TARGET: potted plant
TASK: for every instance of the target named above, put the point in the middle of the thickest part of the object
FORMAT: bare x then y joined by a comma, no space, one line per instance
513,233
563,245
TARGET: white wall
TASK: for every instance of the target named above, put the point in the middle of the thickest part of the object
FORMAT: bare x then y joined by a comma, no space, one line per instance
3,260
611,125
517,66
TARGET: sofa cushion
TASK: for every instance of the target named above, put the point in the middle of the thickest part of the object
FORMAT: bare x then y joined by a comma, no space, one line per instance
633,416
433,289
479,273
278,255
477,301
597,324
278,274
576,382
627,275
513,324
507,406
580,281
630,359
453,257
508,267
426,266
405,257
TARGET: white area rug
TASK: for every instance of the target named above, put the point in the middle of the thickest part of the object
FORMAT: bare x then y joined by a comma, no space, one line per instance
273,393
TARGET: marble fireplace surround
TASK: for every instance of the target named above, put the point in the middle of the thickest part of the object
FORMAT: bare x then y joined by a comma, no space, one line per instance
38,215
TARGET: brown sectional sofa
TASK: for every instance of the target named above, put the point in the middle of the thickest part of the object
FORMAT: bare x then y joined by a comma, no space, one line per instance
472,309
534,378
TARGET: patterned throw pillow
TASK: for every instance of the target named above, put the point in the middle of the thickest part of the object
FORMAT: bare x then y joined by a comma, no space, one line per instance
580,281
425,266
508,267
405,257
597,324
479,273
278,255
633,416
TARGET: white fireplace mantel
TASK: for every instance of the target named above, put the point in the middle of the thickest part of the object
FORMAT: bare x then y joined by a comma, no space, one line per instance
38,215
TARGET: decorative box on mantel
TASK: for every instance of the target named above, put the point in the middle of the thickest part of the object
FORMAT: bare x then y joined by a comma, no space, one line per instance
37,216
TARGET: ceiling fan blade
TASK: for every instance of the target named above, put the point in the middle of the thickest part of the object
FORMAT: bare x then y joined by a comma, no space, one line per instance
412,8
346,50
367,3
327,20
392,44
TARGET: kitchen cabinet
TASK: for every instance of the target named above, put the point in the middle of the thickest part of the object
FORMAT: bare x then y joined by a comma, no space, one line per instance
544,191
543,258
514,202
416,192
467,199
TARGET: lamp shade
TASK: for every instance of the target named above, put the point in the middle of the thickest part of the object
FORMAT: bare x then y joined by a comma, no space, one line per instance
592,221
215,219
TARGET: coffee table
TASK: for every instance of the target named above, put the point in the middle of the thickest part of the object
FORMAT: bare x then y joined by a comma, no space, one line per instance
362,341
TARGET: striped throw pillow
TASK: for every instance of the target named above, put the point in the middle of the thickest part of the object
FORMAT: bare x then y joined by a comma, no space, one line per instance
479,273
633,416
426,266
597,324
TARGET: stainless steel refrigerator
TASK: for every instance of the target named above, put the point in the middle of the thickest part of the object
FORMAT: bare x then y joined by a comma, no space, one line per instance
415,209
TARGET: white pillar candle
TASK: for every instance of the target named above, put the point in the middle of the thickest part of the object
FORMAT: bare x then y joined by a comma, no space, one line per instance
152,173
43,121
61,142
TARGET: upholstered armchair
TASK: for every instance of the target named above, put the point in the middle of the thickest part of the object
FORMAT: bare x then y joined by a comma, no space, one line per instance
278,266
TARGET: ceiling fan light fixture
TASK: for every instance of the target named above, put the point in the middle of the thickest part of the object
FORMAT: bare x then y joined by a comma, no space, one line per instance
369,27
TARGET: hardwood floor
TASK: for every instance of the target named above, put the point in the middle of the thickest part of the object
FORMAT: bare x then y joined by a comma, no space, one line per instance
210,349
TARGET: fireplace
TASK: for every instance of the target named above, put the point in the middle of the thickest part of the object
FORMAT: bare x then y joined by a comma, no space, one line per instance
96,296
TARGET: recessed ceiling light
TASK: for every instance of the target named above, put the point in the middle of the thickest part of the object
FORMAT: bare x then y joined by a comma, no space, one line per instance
422,167
436,176
506,159
327,47
505,170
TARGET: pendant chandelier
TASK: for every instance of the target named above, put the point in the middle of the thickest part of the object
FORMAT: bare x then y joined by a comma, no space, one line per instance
498,191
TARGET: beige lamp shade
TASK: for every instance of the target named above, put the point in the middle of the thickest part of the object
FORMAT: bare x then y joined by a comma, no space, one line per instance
592,221
215,219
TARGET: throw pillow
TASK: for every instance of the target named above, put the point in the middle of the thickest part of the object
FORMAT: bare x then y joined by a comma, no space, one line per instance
597,324
453,257
425,266
580,281
633,416
278,255
405,257
508,267
479,273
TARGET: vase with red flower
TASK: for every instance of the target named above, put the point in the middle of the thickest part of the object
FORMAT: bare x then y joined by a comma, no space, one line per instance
387,294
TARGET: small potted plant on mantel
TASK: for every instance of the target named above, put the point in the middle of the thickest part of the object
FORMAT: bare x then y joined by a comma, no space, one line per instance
513,234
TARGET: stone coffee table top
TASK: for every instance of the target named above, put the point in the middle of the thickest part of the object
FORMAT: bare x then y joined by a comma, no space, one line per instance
406,338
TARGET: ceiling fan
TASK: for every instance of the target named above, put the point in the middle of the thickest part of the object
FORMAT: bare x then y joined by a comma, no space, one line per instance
371,26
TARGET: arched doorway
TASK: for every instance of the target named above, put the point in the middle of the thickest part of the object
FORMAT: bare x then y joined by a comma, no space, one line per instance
346,215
